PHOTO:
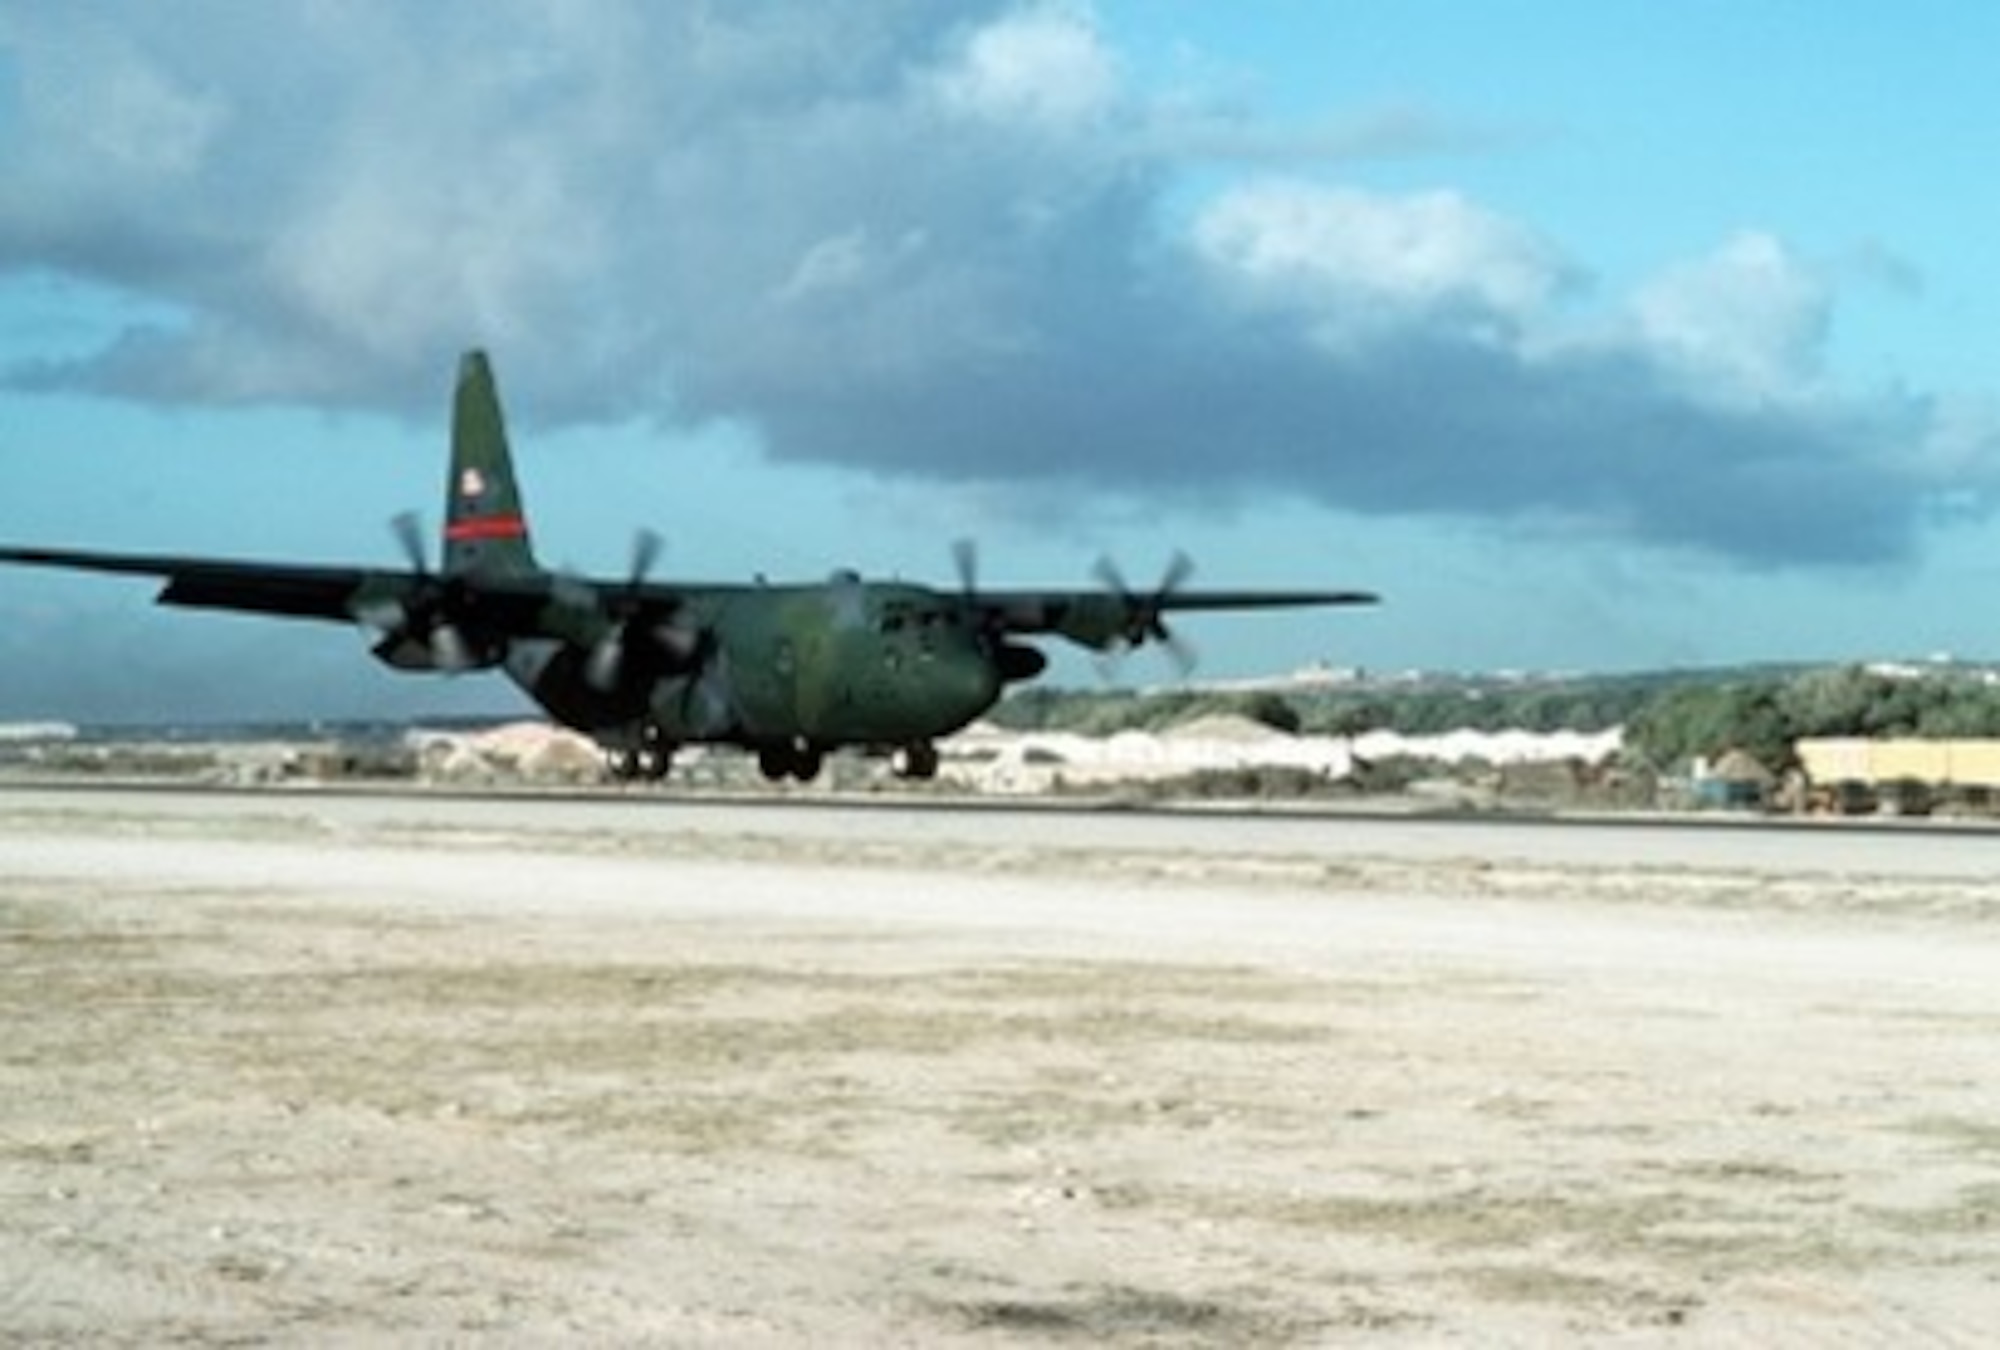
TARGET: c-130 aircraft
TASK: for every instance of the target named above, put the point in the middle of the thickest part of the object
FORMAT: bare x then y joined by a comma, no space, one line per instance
787,672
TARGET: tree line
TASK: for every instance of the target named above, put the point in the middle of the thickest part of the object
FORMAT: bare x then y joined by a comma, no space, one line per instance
1767,717
1669,717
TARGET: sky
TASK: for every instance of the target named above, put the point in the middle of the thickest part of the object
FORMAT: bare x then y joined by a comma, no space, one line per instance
1595,336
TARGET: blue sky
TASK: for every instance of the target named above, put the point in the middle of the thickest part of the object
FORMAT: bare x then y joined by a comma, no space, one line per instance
1595,336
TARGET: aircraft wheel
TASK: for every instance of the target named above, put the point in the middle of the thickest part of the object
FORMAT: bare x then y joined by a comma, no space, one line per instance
779,762
623,765
654,762
917,761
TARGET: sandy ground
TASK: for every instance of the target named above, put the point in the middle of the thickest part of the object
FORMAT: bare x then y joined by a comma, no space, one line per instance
302,1068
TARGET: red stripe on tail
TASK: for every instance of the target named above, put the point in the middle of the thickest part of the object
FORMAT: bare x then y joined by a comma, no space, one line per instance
485,527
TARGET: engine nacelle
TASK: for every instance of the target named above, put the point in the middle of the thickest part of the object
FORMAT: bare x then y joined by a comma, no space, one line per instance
443,648
1017,662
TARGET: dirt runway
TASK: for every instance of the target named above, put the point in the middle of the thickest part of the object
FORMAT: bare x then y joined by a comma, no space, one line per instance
304,1068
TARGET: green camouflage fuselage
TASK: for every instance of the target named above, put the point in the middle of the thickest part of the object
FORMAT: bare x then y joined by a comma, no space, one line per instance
846,662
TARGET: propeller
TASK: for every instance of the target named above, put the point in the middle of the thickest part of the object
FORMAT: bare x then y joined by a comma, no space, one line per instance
606,666
1145,615
1013,660
420,621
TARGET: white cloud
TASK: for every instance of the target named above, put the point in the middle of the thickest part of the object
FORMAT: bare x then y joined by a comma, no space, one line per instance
835,263
103,101
1748,321
1360,260
852,227
1043,65
402,257
1962,440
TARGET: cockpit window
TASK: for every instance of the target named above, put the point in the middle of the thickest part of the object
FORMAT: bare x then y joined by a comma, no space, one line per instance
925,621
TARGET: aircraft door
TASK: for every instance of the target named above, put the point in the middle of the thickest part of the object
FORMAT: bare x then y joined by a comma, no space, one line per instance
766,686
820,683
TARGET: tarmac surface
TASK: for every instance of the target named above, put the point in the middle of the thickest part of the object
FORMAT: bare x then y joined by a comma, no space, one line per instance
307,1066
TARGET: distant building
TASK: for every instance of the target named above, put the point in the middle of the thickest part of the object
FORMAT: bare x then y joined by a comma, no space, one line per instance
1967,763
1738,780
37,731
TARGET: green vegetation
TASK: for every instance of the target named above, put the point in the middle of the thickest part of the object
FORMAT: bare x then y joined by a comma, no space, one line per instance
1669,717
1480,705
1413,708
1765,717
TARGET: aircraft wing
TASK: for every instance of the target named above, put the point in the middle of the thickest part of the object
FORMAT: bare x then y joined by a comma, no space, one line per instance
505,606
1101,619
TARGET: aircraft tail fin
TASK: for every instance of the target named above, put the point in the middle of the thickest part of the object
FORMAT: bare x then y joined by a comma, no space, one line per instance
485,527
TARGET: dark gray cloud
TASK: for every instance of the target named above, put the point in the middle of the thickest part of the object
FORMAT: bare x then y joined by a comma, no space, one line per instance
924,239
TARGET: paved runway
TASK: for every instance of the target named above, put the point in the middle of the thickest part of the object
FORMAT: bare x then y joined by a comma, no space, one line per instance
313,1066
1775,846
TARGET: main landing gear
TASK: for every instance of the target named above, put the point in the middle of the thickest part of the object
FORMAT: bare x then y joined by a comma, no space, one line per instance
917,761
802,760
647,762
795,759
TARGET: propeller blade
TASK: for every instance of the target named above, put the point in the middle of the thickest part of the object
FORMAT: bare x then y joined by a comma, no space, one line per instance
450,649
1108,661
645,552
1106,571
1179,650
605,667
408,528
606,662
965,557
1145,615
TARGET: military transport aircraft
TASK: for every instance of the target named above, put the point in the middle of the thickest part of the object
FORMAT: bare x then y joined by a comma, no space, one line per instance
788,672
